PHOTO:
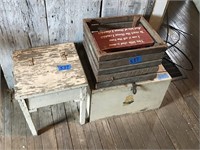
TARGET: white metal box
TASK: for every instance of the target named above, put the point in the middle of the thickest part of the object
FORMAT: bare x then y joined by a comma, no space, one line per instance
119,100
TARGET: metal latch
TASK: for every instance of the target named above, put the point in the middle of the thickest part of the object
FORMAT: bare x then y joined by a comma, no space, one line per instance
134,88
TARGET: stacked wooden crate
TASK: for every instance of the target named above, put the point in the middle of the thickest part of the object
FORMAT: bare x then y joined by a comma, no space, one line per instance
126,66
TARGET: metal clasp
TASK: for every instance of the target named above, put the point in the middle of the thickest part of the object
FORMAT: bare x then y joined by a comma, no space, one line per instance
134,88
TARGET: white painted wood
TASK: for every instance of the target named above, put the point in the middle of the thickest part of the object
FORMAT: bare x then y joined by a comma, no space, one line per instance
57,22
65,18
88,98
54,98
32,110
6,46
123,7
27,116
197,4
77,10
158,13
39,80
22,25
36,71
109,101
78,94
82,111
83,96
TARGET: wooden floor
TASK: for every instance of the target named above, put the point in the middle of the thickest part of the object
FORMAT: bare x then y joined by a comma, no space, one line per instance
174,126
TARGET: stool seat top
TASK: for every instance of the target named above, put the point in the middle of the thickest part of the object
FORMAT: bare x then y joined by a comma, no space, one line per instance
48,69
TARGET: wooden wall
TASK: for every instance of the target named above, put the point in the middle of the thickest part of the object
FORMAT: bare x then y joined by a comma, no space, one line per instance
31,23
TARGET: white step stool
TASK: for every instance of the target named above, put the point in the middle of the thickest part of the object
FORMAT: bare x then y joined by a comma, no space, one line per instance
49,75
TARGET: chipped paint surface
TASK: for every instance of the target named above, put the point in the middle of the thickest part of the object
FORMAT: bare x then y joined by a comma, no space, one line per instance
36,71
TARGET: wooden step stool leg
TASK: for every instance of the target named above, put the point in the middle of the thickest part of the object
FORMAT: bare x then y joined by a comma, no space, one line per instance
27,116
83,97
88,105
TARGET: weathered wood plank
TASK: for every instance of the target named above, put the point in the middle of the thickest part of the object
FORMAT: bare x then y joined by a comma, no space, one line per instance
187,88
123,7
65,18
6,48
25,25
88,9
107,129
115,134
129,133
146,137
37,139
126,61
194,89
34,21
57,21
34,142
104,136
175,124
193,105
72,126
30,140
122,132
2,111
88,136
185,110
158,130
147,134
182,88
47,129
8,113
126,80
79,128
19,128
95,135
134,129
126,74
63,137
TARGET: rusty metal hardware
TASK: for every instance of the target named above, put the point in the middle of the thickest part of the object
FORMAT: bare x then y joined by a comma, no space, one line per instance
134,88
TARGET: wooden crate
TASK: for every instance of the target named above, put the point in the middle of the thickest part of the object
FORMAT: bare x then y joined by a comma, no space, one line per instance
118,61
99,24
118,100
133,79
120,67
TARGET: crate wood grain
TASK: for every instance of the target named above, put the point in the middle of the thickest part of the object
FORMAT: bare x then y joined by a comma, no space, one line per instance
118,62
159,46
126,74
125,80
129,67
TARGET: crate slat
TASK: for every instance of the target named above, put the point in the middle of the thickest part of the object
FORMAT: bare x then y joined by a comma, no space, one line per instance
126,80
